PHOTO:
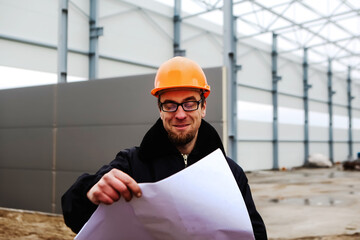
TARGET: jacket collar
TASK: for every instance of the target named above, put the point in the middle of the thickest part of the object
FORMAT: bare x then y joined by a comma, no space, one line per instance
156,143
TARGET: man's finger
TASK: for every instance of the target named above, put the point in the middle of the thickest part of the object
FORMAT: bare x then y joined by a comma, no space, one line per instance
129,182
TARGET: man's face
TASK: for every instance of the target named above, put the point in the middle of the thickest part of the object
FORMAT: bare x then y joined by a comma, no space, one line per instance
182,126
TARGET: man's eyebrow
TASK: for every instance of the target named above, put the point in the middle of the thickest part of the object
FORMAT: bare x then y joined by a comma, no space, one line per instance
192,98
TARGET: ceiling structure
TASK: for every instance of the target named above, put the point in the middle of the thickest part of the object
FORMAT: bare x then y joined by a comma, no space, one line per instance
329,29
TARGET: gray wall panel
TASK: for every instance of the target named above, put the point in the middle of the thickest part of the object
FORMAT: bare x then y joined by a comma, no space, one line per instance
88,148
26,189
31,106
126,100
64,180
85,123
29,148
214,101
111,101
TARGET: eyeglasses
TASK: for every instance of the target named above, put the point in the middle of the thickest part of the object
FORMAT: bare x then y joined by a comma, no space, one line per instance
187,106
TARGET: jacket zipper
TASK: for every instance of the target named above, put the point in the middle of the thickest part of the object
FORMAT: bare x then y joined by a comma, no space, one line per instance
185,156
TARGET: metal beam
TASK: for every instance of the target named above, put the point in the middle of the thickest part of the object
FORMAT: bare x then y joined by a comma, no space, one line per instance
76,51
231,77
201,13
275,79
314,33
329,19
330,107
350,98
63,41
306,105
95,32
293,27
323,44
177,29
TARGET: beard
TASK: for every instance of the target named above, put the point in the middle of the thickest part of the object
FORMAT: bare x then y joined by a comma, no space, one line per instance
181,139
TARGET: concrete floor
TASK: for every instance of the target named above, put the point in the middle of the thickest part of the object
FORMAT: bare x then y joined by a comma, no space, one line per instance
307,202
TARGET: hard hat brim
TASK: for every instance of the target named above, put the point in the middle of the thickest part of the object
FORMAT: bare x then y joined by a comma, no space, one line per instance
155,92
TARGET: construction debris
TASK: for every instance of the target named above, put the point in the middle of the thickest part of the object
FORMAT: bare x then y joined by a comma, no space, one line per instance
318,160
352,165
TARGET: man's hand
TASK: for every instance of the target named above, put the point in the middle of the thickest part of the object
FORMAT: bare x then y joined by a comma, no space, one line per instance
112,186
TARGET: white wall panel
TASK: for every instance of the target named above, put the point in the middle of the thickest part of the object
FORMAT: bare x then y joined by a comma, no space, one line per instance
341,152
318,80
291,155
19,55
255,156
355,91
36,20
108,69
78,25
256,67
290,102
356,113
137,33
78,65
318,107
340,87
340,134
340,124
290,132
318,133
204,49
322,148
340,110
253,95
291,77
254,130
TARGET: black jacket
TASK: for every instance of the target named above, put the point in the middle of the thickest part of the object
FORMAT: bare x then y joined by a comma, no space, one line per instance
150,163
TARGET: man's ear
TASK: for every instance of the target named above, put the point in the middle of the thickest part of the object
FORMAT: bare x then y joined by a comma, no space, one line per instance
203,110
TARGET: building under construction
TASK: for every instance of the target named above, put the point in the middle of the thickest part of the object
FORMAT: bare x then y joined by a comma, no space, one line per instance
284,75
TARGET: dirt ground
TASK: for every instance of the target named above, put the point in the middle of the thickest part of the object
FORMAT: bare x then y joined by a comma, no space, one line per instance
303,204
19,225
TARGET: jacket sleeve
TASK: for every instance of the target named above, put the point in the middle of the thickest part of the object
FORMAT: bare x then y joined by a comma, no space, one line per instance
76,207
242,181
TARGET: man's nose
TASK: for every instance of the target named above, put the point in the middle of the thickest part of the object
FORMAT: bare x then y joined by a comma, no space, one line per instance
180,113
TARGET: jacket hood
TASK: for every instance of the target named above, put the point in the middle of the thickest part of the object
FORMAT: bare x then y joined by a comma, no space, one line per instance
156,142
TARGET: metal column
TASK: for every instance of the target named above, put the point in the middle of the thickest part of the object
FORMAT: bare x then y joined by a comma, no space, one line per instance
275,79
350,98
177,30
62,41
231,77
306,105
330,107
94,34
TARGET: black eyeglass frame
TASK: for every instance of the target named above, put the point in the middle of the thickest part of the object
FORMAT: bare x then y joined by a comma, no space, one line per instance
182,105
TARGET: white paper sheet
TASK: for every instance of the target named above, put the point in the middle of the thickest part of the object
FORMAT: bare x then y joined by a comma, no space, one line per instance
202,201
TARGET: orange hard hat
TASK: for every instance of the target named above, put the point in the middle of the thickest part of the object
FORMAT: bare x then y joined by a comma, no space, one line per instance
180,72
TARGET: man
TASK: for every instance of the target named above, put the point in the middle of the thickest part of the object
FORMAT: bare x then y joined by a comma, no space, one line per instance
178,139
